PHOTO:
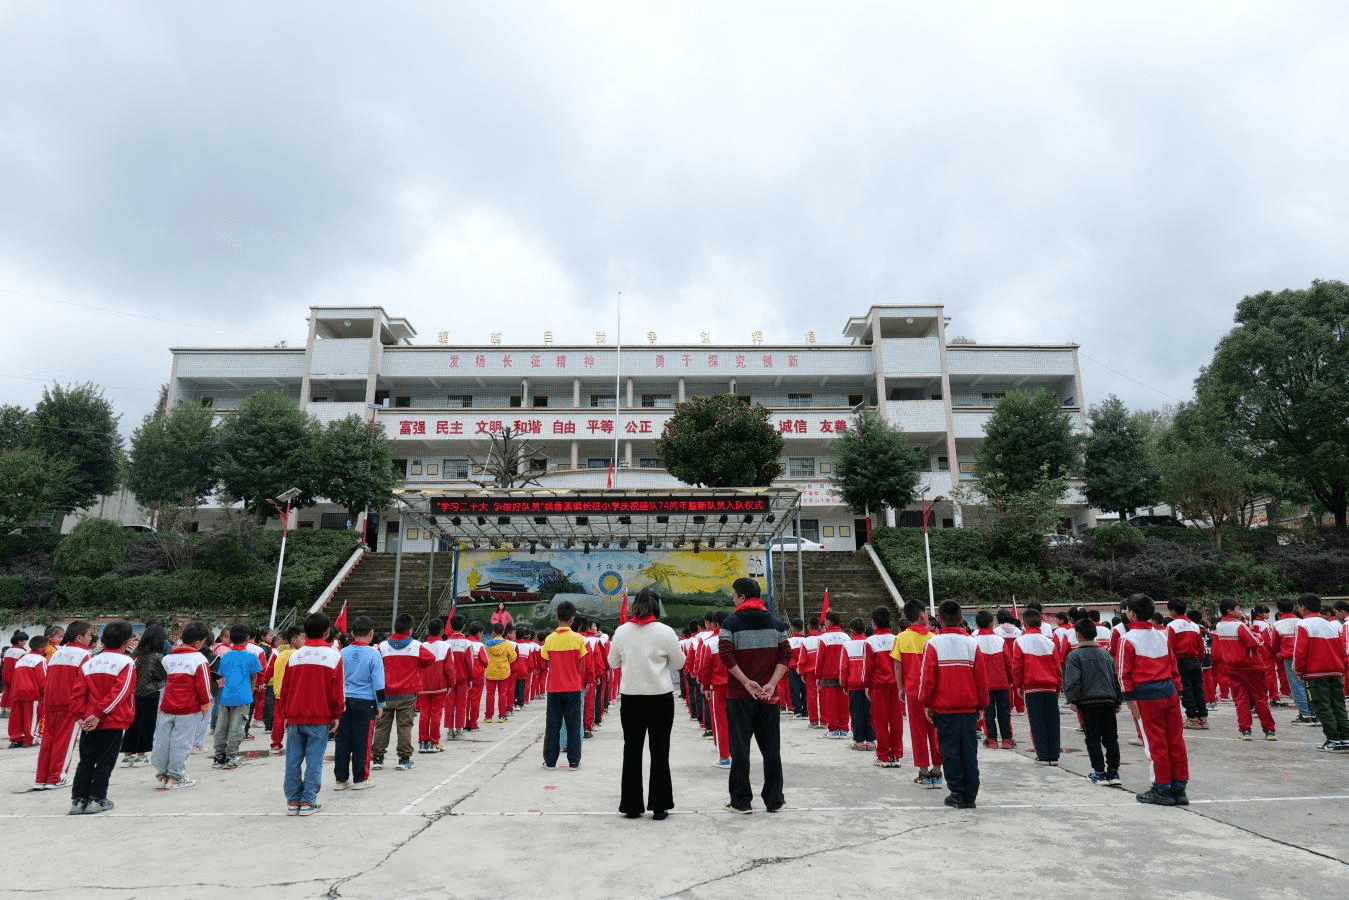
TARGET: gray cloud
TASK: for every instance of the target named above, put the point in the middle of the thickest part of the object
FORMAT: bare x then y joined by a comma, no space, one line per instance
1114,174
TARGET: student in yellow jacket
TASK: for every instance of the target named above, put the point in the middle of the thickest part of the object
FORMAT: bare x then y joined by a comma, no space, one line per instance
500,654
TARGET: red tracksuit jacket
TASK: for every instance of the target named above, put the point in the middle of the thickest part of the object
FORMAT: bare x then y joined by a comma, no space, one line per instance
852,667
1235,646
188,686
1145,656
110,690
28,682
1285,631
1318,649
880,667
953,678
1186,640
1035,664
315,687
65,678
437,677
404,658
830,654
998,662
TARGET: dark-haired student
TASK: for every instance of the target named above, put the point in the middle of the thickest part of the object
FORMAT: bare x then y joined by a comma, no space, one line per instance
1091,687
27,686
363,674
998,655
108,710
564,651
187,688
64,694
1150,678
314,695
1036,674
953,691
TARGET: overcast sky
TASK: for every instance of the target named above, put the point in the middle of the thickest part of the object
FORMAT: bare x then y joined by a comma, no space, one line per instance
1114,174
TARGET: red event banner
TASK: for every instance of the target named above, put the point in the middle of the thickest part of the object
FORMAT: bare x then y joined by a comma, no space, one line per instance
618,506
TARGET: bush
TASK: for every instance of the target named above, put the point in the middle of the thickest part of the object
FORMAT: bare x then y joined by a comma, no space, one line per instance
95,546
11,591
12,545
145,555
1118,540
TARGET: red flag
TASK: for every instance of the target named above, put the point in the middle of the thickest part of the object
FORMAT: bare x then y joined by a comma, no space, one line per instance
825,607
623,611
611,476
454,606
340,623
1015,613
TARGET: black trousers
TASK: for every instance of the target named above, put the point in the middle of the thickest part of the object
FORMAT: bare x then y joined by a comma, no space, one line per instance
798,690
1042,708
1100,728
646,717
958,740
746,718
564,711
98,757
351,747
860,708
696,696
1192,687
998,715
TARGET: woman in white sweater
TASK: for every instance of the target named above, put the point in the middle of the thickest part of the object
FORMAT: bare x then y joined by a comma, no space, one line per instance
649,655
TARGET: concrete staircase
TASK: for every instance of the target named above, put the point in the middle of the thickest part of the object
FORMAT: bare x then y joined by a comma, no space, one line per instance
369,589
855,587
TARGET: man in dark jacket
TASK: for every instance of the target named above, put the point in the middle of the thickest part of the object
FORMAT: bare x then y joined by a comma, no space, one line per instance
1092,688
754,648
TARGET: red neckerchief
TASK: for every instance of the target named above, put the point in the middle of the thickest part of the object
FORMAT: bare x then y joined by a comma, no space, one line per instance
1136,625
752,603
882,631
920,628
987,631
238,646
642,620
954,630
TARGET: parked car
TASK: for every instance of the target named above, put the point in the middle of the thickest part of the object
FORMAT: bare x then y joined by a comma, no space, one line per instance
1161,521
792,543
1061,540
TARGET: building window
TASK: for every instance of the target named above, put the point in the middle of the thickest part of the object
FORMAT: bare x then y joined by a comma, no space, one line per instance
540,400
400,468
318,399
597,462
459,401
657,401
650,462
602,400
799,399
208,401
515,401
538,464
992,396
801,467
943,464
855,400
810,529
454,468
402,402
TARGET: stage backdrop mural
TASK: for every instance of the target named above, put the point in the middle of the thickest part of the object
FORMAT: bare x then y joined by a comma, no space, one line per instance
596,581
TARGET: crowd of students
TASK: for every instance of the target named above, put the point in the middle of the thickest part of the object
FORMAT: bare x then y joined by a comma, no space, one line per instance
862,683
155,704
84,698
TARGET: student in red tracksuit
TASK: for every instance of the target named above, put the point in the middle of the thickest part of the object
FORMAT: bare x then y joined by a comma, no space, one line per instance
887,710
27,685
907,660
524,648
187,688
459,677
477,675
1037,674
1009,631
315,693
712,677
404,657
64,694
833,698
436,679
1239,652
998,667
1319,659
590,675
109,709
810,650
1285,630
13,653
1187,643
852,677
1150,679
1264,632
953,690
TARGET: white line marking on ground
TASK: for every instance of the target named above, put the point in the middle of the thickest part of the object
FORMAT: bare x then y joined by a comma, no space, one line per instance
470,764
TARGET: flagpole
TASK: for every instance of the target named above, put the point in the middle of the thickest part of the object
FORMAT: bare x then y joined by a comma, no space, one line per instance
927,555
618,381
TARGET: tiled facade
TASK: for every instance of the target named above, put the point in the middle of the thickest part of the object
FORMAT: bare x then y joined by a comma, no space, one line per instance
438,402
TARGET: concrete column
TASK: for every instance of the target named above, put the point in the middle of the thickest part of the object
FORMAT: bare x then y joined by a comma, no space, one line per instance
629,404
575,454
681,390
576,393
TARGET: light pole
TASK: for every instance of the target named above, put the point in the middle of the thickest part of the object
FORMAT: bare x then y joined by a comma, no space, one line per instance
284,497
927,553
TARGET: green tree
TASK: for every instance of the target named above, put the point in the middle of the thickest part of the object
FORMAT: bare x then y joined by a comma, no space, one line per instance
1279,379
875,464
173,456
1118,470
266,448
721,442
77,423
94,546
32,486
15,430
1203,477
354,465
1027,440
